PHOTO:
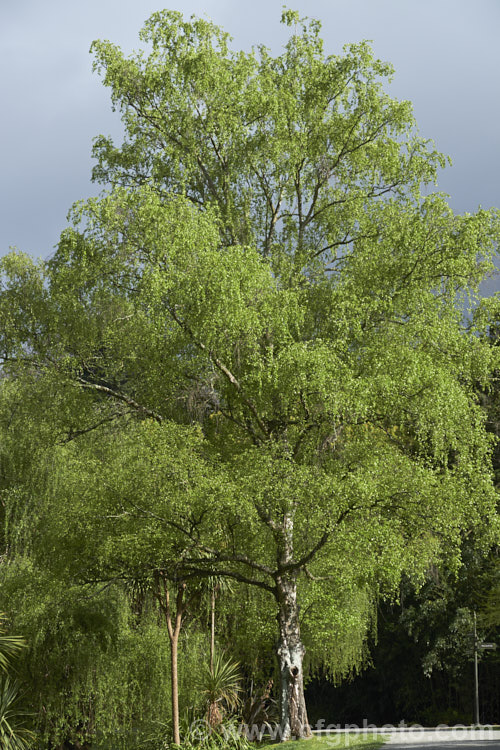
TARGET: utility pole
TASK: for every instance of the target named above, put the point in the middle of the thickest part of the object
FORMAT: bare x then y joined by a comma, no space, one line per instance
479,647
476,680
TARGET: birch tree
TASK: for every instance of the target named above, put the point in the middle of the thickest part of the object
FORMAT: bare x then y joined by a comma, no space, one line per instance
265,265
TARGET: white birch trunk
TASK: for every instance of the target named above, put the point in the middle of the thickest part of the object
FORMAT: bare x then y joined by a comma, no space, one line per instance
294,721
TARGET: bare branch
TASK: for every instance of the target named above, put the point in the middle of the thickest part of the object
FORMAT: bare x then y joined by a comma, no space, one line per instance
120,397
73,434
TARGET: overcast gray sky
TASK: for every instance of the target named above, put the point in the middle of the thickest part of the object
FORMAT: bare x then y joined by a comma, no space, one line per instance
446,54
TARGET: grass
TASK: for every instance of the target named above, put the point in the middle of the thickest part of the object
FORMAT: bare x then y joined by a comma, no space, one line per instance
340,741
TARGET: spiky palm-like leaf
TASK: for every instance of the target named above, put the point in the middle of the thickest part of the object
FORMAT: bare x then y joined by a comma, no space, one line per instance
13,736
10,645
220,688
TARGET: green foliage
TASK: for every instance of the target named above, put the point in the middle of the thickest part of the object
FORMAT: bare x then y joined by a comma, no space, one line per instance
91,669
219,688
336,633
228,736
421,661
491,606
246,621
248,132
10,646
260,710
13,736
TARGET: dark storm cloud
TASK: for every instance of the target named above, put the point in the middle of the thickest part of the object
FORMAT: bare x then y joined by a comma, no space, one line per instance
445,52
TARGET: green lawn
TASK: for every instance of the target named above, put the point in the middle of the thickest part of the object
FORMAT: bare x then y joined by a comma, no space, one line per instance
341,741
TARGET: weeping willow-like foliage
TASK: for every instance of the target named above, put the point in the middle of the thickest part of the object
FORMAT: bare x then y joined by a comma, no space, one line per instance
490,614
336,633
92,668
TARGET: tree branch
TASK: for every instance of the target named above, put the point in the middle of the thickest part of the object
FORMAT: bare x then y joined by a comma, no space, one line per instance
225,371
195,572
120,397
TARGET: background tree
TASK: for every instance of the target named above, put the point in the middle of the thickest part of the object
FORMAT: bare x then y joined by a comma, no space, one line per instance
99,663
95,668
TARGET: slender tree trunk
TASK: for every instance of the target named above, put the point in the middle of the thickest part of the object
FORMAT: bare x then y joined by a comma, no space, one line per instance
174,628
212,629
174,641
294,721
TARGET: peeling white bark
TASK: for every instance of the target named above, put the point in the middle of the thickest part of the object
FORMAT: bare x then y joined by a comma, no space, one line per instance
294,721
